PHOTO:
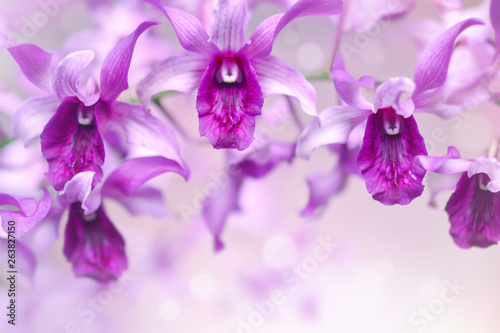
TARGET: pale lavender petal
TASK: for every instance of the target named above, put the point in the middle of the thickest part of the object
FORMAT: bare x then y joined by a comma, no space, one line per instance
261,43
77,189
67,73
35,64
29,214
388,94
71,147
489,166
134,172
277,77
227,110
33,115
25,258
432,66
188,28
259,163
181,72
474,213
451,163
228,25
348,88
143,201
495,19
333,125
115,68
93,245
140,128
386,158
217,207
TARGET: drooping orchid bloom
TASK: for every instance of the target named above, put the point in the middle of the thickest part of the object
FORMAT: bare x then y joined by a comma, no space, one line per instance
391,139
474,206
92,243
232,75
73,120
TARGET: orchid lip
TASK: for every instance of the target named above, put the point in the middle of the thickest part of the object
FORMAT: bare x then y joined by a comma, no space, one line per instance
229,72
392,123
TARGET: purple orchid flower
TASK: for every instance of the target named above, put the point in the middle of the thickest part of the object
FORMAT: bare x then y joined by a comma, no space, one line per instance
92,243
73,120
474,206
254,164
391,139
232,75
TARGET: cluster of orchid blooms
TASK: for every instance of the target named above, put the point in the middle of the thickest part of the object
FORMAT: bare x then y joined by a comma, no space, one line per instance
89,137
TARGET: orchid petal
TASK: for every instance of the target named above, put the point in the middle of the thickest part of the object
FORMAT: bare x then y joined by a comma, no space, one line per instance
93,245
26,260
78,190
181,72
432,66
333,125
68,71
262,161
188,28
474,213
388,94
277,77
451,163
30,212
217,207
348,88
33,115
35,64
143,201
489,166
495,19
71,147
228,25
386,159
261,42
134,172
140,128
115,68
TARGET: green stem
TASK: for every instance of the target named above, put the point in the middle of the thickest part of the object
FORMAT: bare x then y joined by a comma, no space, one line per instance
321,76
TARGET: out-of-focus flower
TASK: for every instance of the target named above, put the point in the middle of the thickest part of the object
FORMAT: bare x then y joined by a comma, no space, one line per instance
474,206
72,138
391,139
255,163
232,75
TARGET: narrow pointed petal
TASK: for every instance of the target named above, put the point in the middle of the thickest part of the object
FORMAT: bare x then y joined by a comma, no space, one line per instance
228,25
451,163
386,160
474,213
333,125
263,160
181,72
227,110
135,172
495,20
322,187
348,88
188,28
29,213
93,245
115,68
71,147
35,64
261,42
490,167
277,77
388,94
140,128
218,207
68,71
33,115
26,260
432,66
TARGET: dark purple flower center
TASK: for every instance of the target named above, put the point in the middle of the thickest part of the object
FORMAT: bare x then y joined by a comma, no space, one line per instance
228,99
481,204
